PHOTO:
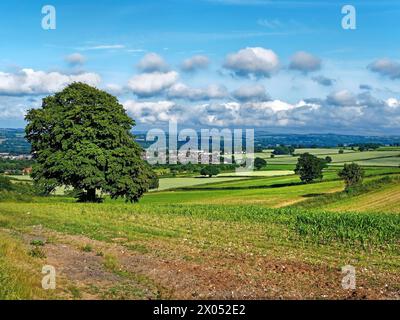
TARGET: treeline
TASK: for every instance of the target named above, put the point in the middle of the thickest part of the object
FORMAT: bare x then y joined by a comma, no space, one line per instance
190,168
14,146
366,146
16,191
14,166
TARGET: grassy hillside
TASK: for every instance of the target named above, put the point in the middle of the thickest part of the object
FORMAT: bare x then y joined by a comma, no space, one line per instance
261,236
207,251
384,199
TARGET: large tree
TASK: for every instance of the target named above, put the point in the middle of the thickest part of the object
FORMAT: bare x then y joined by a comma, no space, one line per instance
81,138
352,174
259,163
210,170
309,167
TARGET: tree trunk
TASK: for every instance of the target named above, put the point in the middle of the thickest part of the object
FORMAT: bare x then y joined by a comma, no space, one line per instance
91,195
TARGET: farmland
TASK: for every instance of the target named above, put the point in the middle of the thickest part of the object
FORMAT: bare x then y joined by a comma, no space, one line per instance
263,235
367,158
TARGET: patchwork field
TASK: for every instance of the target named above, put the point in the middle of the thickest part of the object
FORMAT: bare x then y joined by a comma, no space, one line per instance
172,183
265,235
266,173
386,157
386,199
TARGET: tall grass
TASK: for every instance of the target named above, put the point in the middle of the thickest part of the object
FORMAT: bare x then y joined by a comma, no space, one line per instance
365,229
167,221
20,276
369,186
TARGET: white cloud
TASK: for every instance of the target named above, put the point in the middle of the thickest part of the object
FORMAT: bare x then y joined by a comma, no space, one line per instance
250,93
182,91
194,63
364,114
148,84
152,62
114,89
386,67
151,112
31,82
274,105
305,62
341,98
393,103
75,59
252,61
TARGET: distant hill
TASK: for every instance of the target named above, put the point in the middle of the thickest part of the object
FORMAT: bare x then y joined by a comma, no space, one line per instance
321,140
13,141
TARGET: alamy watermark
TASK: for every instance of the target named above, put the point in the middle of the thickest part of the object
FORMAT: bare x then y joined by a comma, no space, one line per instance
49,280
49,21
349,279
185,146
349,20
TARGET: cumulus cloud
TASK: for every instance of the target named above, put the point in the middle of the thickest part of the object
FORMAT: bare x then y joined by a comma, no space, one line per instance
250,93
150,112
182,91
386,67
75,59
304,62
115,89
252,61
149,84
152,62
31,82
323,81
341,98
333,114
195,63
365,98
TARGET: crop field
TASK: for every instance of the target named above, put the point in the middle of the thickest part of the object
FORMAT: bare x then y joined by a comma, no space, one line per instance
159,250
266,173
173,183
265,235
323,151
266,154
368,158
271,197
181,182
386,199
383,162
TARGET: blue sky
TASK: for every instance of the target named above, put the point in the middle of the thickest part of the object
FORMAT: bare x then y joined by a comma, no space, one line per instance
284,66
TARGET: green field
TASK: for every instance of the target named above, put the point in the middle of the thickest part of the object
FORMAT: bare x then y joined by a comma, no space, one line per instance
261,173
386,199
390,158
264,235
172,183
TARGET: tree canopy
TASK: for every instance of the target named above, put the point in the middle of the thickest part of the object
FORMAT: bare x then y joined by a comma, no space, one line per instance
352,174
280,150
81,138
310,167
210,170
259,163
